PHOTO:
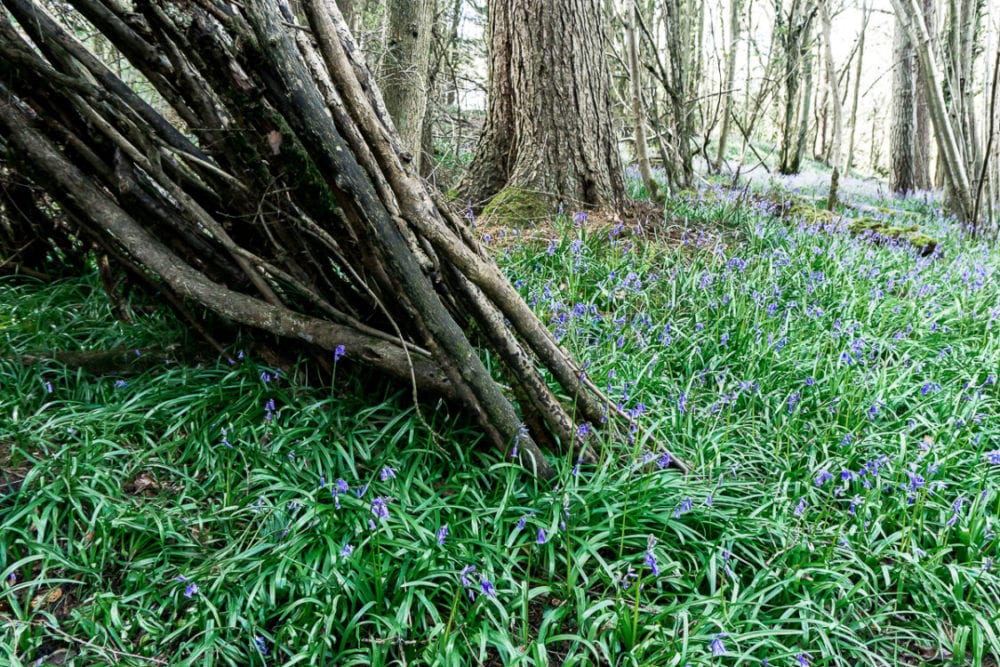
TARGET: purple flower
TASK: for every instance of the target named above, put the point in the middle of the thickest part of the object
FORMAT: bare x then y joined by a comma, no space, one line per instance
803,659
387,473
717,646
583,431
261,645
347,550
801,507
663,461
685,506
579,218
48,387
993,458
823,477
191,590
342,486
338,353
541,536
650,559
120,383
442,534
520,522
380,507
488,589
463,576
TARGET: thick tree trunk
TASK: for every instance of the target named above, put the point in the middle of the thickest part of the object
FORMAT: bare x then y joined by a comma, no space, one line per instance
901,140
549,133
339,243
403,77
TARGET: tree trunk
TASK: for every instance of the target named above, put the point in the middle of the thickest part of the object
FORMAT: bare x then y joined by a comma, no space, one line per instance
792,30
638,109
922,130
857,86
549,136
837,112
338,244
901,143
730,75
403,78
948,135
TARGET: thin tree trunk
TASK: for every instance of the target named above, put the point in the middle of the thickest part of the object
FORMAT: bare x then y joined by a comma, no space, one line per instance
857,86
831,80
730,75
638,109
901,144
930,76
923,130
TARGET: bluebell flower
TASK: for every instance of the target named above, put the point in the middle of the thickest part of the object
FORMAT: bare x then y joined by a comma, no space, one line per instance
801,507
380,507
520,522
803,659
342,486
261,645
993,457
191,590
823,477
685,506
338,353
488,589
541,536
442,534
120,383
649,558
387,473
48,387
347,550
717,647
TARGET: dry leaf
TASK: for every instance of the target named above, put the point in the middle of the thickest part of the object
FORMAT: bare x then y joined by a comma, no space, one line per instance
47,598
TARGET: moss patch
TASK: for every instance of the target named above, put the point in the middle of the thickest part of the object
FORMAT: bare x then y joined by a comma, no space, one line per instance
517,207
881,232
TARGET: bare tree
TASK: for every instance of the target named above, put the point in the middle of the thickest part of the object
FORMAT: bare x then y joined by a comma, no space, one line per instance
730,76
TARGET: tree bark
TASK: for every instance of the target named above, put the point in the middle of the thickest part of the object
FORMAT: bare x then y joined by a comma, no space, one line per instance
857,86
638,108
946,133
403,77
297,214
730,76
549,129
901,140
922,130
837,119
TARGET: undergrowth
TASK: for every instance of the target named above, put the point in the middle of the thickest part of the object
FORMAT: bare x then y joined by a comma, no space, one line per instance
837,400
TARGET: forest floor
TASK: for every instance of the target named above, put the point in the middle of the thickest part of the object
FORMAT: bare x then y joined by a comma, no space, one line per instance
834,391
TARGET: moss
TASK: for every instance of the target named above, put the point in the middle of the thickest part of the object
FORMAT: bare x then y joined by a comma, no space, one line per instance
881,232
811,215
517,206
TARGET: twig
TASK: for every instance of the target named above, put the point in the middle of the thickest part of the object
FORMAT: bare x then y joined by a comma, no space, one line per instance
83,642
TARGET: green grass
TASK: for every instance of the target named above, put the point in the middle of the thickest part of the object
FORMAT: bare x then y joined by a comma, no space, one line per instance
766,353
